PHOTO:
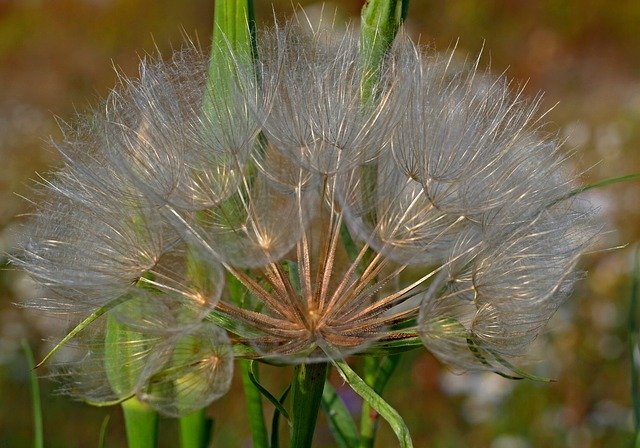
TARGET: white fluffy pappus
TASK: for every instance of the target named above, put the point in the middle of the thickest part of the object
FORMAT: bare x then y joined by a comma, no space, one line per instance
292,217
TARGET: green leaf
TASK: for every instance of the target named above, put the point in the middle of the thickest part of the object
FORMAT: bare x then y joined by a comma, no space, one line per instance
84,324
394,346
376,402
238,293
599,184
233,46
340,420
384,370
103,431
38,437
253,376
347,242
232,325
255,412
275,423
293,272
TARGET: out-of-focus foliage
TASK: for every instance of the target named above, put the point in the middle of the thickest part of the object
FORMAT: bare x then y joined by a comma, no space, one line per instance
59,56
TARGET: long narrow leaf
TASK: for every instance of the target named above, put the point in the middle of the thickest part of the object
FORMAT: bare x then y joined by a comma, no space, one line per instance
306,396
273,400
392,347
385,369
341,422
377,403
103,431
255,411
82,325
380,21
234,42
275,422
599,184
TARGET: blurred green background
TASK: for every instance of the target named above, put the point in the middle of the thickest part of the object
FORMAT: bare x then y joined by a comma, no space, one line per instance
57,58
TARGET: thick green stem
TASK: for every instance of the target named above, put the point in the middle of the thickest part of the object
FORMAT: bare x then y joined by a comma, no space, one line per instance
308,384
141,423
195,430
233,45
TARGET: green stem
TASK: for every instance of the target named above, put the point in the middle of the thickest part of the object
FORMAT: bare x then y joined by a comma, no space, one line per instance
380,21
255,411
233,44
377,372
141,423
195,430
38,437
368,417
308,384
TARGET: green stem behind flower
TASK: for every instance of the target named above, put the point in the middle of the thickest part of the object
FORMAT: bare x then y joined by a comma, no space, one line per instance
195,430
381,20
234,43
306,395
141,423
377,372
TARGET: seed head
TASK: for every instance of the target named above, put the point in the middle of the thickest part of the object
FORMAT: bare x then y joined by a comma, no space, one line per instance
293,215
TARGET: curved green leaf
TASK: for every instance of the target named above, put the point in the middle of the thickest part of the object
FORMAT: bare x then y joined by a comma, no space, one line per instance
103,431
82,325
376,402
273,400
275,423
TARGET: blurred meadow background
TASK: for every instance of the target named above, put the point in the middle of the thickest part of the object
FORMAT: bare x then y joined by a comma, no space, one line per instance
57,59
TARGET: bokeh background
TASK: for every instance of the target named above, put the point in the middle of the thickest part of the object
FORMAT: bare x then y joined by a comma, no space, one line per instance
57,59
